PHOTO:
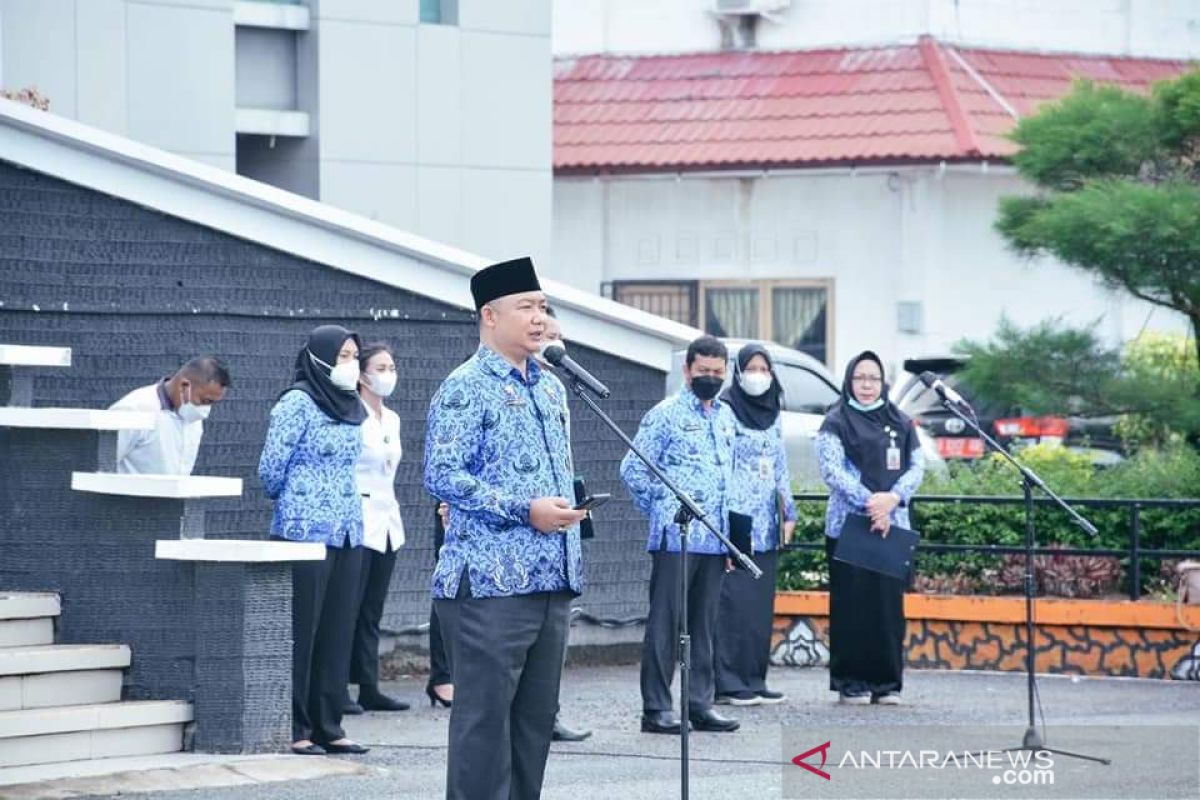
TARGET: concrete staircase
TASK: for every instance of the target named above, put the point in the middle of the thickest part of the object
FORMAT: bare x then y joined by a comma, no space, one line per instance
62,702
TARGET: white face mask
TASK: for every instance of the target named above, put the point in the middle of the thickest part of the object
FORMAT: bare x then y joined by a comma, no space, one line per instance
755,383
382,383
344,376
190,412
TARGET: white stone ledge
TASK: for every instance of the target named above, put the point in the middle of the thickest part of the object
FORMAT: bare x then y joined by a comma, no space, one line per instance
82,419
20,355
248,551
176,487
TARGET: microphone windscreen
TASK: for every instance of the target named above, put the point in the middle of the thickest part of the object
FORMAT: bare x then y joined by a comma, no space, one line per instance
553,351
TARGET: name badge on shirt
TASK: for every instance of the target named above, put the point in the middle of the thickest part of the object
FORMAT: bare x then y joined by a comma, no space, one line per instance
764,468
893,452
510,396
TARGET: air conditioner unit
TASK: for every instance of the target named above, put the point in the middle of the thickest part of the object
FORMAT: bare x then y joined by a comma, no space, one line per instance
749,6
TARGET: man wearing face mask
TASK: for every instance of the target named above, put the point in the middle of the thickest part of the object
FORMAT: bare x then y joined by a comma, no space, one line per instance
180,404
690,438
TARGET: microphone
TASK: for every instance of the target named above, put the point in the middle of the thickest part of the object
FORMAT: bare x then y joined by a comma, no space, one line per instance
944,391
556,353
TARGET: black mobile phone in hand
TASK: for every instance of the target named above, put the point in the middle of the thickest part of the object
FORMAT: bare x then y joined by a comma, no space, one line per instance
592,502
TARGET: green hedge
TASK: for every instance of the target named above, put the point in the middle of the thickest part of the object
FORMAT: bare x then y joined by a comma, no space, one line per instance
1173,473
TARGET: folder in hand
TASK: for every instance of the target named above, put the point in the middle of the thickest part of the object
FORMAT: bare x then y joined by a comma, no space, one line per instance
862,547
741,533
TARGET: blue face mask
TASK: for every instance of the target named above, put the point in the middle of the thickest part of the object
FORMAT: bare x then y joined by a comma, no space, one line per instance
857,406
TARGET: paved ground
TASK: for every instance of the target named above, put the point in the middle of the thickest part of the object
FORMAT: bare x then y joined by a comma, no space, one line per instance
947,710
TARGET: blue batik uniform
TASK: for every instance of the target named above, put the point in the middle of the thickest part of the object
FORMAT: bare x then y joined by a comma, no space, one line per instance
307,468
495,441
847,494
694,447
761,481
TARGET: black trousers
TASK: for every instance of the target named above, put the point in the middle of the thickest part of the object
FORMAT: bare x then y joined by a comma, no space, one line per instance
866,629
660,645
325,598
507,662
744,624
376,578
439,652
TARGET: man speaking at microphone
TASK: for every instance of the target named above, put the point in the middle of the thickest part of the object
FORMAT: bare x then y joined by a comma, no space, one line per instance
497,452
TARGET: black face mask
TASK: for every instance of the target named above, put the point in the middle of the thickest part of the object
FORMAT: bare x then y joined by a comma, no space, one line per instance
706,386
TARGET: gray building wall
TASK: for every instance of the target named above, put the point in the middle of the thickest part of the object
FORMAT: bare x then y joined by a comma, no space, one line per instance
439,129
134,292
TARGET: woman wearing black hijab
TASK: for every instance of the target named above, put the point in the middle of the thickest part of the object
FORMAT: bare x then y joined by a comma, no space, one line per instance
308,468
870,458
760,491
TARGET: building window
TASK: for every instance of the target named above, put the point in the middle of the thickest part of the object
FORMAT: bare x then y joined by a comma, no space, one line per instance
675,300
791,313
439,12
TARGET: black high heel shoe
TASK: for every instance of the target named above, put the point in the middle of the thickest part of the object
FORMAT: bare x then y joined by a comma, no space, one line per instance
436,699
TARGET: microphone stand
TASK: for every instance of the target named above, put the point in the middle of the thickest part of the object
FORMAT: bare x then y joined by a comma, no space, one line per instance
688,512
1033,741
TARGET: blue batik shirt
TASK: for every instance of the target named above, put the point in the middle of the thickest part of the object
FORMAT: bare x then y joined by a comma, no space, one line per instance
307,467
846,491
496,441
761,484
694,447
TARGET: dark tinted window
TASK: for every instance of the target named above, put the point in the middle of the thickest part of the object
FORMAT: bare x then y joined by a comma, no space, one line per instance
804,391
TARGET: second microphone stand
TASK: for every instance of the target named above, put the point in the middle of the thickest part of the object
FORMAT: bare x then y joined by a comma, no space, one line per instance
688,512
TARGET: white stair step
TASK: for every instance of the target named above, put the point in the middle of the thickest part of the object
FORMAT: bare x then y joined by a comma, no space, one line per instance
50,735
29,605
52,689
25,632
99,716
62,658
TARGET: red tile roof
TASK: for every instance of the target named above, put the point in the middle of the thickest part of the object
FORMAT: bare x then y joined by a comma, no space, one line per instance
924,102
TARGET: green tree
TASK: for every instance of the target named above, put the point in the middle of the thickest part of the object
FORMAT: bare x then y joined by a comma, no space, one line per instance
1056,369
1118,175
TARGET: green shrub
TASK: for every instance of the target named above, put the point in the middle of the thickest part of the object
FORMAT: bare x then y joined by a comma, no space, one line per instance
1172,473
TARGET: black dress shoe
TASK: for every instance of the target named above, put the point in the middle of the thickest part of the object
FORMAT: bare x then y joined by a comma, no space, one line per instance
378,701
350,748
771,697
308,750
713,722
660,722
351,708
564,734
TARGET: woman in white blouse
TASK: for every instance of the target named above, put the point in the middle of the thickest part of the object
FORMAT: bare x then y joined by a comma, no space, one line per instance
383,531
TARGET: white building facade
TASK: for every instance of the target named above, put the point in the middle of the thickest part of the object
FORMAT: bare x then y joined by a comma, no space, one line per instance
429,115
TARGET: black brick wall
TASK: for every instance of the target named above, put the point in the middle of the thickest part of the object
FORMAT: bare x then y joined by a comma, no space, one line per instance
134,292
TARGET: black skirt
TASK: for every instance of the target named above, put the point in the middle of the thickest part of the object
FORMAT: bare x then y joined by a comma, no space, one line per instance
866,629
